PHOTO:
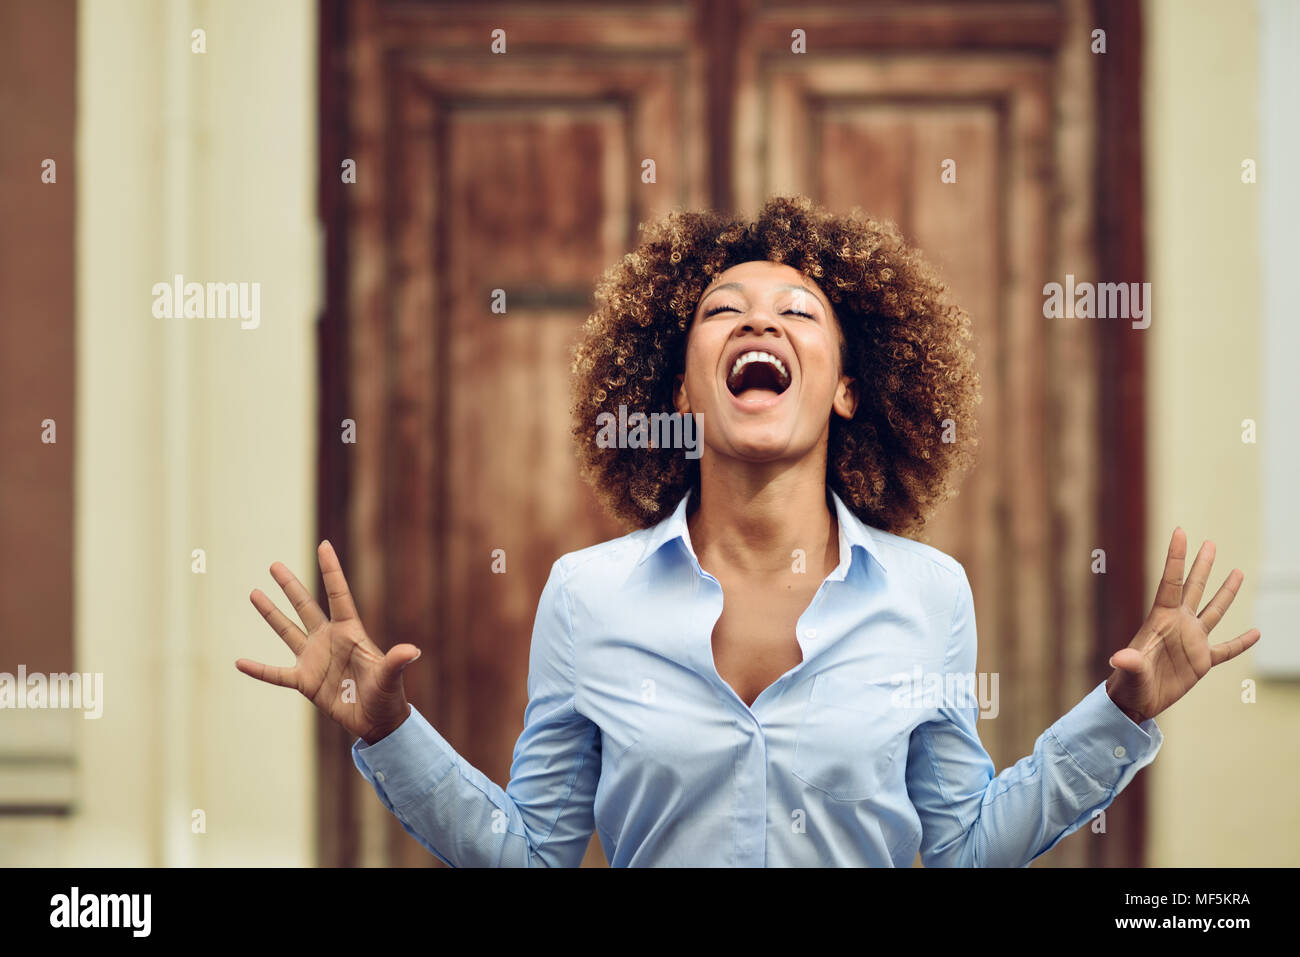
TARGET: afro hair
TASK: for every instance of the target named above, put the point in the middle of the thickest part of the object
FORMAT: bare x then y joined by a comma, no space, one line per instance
904,343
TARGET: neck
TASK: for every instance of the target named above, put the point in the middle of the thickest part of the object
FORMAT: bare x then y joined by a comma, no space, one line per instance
752,518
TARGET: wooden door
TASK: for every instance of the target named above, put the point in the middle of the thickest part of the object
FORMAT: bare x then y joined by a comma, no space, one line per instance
516,177
38,403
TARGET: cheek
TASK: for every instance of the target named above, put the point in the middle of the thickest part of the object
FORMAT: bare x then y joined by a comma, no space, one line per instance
821,385
694,378
699,363
822,366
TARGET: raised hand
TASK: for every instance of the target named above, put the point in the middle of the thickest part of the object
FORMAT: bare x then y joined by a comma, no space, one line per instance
332,651
1172,650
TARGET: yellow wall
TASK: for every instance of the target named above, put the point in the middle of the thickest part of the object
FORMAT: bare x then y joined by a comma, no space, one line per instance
192,433
1223,790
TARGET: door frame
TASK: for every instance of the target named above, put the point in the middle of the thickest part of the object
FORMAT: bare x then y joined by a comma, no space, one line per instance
1120,371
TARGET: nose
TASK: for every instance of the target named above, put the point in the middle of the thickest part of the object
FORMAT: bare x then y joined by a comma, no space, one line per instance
758,323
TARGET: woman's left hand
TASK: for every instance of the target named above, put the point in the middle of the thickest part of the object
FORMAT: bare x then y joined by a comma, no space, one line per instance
1172,651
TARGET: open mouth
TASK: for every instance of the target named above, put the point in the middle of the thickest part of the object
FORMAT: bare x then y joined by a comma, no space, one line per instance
757,375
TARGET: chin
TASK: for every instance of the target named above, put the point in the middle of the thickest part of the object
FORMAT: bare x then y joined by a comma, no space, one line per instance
760,448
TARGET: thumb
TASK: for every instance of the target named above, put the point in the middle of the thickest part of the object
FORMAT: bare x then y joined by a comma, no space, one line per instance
1127,659
394,663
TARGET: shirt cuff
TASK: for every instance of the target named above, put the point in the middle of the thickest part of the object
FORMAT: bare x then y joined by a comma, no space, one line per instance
1104,742
407,763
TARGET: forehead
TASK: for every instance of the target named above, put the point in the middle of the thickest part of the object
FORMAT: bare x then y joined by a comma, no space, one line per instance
762,275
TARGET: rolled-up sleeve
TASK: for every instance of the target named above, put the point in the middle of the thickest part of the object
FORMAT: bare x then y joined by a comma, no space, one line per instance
543,817
972,817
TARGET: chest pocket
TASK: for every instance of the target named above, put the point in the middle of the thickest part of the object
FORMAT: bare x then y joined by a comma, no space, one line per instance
849,737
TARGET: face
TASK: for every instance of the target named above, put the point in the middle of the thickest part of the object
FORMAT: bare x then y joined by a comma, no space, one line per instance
763,365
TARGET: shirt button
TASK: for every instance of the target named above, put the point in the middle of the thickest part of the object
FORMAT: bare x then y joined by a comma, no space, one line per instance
379,776
1120,751
810,633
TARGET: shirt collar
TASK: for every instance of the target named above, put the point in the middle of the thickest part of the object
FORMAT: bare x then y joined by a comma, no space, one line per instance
674,526
853,532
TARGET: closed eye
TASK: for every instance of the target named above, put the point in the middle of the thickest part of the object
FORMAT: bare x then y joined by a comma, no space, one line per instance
789,312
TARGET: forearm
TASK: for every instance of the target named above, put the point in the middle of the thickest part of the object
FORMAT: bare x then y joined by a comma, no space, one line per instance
1077,768
457,813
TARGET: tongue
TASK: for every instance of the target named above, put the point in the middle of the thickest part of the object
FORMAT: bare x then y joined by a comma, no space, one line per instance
751,394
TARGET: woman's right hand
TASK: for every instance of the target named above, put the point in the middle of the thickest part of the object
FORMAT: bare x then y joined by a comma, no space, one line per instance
339,669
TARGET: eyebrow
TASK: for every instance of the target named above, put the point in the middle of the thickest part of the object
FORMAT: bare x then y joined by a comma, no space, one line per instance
781,288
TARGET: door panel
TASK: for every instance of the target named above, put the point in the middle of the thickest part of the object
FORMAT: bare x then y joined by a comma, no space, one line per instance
870,122
513,179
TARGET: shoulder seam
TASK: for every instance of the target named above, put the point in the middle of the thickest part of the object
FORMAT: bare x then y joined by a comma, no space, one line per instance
571,562
568,629
921,549
956,606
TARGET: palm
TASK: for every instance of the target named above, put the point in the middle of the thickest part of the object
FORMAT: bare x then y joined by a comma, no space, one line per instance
338,671
1172,650
338,668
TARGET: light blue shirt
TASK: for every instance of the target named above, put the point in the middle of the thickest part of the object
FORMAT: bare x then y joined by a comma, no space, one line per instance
629,729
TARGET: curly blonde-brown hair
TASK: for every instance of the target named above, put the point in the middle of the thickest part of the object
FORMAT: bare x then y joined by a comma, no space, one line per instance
904,343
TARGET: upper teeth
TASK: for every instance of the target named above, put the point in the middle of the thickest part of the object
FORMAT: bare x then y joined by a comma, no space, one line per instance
759,356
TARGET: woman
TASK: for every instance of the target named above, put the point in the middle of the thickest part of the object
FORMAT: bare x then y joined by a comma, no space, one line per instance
722,685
